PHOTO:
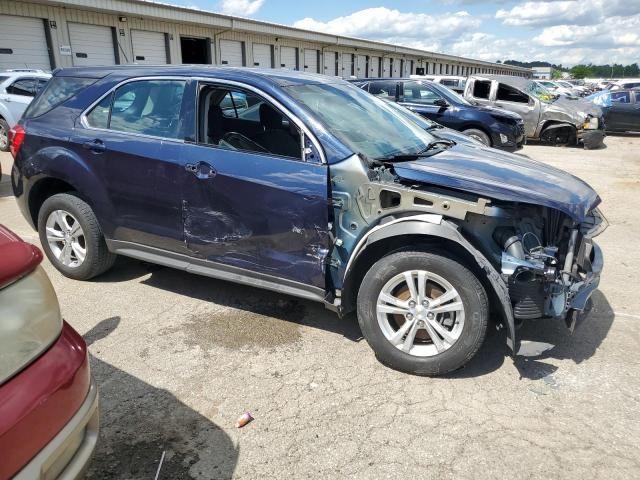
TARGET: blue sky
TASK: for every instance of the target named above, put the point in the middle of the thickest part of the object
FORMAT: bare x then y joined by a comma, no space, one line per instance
559,31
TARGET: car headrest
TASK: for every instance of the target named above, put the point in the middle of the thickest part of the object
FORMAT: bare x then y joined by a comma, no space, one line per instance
270,118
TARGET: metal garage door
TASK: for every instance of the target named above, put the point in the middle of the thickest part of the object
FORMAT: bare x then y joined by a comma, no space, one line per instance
330,63
386,69
231,53
311,60
23,43
408,68
374,67
91,44
396,67
288,57
361,66
262,55
149,47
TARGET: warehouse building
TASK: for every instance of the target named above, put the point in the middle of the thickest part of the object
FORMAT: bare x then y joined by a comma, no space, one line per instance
48,34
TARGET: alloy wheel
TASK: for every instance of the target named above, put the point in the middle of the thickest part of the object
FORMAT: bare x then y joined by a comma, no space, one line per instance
66,238
420,313
4,138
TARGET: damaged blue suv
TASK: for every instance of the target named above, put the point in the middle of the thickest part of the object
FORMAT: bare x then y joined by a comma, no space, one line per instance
309,186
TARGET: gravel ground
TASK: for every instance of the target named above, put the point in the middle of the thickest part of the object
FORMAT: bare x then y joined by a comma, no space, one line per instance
179,357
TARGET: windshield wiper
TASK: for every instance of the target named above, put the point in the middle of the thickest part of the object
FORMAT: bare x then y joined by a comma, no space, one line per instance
436,146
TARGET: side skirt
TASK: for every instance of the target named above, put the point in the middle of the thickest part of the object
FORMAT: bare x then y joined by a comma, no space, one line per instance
215,270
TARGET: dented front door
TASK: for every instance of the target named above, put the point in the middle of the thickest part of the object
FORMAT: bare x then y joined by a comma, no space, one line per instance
263,213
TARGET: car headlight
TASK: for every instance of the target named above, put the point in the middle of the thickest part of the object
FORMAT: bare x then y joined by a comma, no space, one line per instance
591,123
30,321
504,138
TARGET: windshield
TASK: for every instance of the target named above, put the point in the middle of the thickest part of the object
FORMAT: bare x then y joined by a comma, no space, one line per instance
541,93
366,124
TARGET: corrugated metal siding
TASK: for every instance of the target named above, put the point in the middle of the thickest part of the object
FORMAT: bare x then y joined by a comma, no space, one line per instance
177,21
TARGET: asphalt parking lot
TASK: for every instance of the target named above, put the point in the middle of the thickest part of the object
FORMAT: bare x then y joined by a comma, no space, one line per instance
179,357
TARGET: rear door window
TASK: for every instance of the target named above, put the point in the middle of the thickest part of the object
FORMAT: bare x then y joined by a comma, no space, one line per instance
507,93
383,89
25,87
620,97
481,89
145,107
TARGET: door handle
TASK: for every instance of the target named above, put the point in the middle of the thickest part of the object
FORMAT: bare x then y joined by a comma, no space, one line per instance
97,146
202,170
6,99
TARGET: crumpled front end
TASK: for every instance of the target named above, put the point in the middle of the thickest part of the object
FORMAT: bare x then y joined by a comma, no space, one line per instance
552,267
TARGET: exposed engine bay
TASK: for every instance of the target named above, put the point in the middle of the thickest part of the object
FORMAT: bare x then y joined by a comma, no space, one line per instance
547,263
543,256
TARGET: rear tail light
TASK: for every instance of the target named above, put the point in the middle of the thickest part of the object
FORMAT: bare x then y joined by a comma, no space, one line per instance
16,137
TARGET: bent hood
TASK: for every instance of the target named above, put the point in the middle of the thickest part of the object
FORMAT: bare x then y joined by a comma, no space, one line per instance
497,175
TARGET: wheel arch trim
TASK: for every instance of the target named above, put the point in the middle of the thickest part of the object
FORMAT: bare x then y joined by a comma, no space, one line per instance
429,225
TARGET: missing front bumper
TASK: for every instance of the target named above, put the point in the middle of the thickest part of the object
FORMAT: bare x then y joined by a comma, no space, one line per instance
591,139
580,300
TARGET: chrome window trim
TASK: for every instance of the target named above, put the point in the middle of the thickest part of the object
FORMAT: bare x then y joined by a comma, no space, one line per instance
299,123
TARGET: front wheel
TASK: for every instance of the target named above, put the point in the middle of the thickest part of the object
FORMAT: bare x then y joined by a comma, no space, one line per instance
422,313
478,135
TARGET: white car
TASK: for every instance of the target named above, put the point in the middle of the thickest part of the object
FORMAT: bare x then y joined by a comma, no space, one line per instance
17,89
554,87
624,84
576,89
455,83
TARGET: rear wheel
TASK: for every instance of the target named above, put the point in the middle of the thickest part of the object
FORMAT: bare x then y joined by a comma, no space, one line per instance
422,313
72,238
478,135
4,135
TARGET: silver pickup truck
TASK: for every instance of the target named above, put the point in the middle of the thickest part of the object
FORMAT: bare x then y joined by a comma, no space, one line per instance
547,116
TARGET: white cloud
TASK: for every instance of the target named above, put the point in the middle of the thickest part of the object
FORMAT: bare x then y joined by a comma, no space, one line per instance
563,32
243,8
547,13
391,25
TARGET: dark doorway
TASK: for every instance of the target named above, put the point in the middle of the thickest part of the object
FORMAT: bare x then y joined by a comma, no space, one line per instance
195,50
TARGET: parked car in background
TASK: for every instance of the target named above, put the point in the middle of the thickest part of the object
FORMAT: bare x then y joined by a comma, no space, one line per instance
493,127
577,90
48,402
330,195
624,84
621,109
435,128
557,89
455,83
17,89
548,117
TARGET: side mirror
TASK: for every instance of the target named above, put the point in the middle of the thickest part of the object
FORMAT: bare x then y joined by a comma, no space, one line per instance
441,102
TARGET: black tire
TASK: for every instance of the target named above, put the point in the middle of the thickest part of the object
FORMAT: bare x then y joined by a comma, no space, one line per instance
98,257
470,290
478,135
4,126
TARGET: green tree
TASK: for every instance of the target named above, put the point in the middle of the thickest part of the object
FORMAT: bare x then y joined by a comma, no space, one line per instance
581,71
556,74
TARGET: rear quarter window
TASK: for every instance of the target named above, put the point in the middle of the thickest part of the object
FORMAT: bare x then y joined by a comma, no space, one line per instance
56,91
